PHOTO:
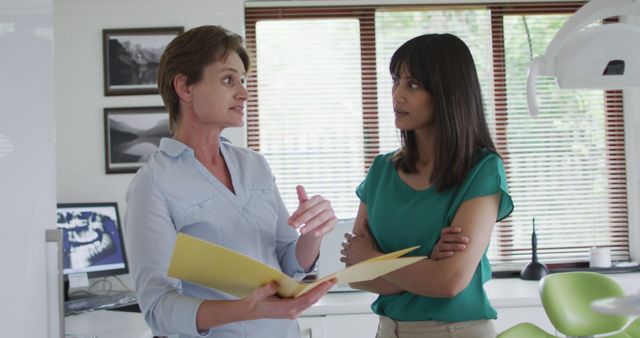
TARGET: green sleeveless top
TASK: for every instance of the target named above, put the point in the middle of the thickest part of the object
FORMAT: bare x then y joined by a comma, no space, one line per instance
400,216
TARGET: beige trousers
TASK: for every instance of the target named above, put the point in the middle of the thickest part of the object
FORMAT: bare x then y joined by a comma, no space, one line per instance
389,328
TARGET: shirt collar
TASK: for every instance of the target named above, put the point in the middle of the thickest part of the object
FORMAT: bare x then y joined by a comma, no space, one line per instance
172,147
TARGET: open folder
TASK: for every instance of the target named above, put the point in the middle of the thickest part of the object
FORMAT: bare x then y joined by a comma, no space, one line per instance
204,263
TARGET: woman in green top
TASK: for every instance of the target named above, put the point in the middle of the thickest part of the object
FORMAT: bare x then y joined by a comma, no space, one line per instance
446,173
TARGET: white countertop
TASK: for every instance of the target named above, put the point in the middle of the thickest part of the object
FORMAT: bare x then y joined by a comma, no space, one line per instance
502,292
106,324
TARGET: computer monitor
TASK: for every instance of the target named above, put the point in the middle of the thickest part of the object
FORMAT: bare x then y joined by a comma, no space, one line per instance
92,239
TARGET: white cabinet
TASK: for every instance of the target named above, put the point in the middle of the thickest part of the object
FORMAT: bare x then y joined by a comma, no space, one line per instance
348,314
339,326
510,316
107,324
351,326
365,325
311,327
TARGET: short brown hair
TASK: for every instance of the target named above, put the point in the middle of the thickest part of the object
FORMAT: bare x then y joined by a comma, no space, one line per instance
188,54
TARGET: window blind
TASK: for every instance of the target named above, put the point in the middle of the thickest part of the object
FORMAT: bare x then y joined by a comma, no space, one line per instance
565,168
312,89
320,110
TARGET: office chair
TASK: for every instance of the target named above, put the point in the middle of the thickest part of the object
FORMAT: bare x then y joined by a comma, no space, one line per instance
566,298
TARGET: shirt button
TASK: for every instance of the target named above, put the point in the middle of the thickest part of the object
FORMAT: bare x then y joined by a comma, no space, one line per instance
245,210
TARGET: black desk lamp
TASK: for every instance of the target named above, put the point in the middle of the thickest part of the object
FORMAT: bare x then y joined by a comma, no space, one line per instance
534,270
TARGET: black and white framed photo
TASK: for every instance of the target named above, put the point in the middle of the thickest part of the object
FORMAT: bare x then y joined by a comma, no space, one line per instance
132,135
131,58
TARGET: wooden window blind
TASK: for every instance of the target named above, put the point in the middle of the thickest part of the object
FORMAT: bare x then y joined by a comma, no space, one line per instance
320,110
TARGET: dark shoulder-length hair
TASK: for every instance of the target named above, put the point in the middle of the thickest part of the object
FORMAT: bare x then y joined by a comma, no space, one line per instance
442,64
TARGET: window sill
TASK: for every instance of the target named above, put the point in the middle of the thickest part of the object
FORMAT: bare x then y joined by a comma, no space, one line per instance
611,270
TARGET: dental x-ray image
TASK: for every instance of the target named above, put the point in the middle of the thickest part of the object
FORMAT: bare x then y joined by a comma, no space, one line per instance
91,238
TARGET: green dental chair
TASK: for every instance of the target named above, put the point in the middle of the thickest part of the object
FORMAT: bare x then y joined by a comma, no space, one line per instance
525,330
566,298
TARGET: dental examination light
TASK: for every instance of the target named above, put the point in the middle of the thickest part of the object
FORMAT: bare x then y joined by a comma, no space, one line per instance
597,57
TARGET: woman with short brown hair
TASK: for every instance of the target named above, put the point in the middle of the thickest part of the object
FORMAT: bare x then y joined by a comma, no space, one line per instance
197,185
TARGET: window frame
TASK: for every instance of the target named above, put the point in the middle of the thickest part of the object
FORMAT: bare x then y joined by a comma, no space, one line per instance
366,15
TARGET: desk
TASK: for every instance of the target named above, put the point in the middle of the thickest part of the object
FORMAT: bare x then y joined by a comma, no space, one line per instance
625,306
107,324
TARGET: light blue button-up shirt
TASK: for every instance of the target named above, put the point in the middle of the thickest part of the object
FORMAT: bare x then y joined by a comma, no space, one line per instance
172,193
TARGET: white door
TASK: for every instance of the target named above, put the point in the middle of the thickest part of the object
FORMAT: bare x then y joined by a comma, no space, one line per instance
27,167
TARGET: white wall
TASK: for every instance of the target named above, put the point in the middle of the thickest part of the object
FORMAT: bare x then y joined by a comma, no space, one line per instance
27,178
79,91
632,144
79,82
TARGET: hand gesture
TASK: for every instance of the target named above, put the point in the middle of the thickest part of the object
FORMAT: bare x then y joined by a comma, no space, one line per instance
314,216
450,241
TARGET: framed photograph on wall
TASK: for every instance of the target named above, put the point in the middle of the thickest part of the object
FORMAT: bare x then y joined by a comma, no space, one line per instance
131,58
132,135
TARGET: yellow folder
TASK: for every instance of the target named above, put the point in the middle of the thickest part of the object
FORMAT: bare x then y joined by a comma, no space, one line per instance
204,263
